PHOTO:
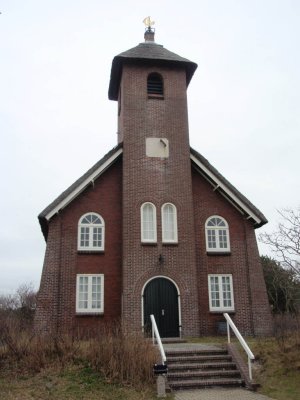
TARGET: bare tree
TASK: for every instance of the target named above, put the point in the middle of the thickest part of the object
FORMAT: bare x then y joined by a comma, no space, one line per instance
285,241
20,305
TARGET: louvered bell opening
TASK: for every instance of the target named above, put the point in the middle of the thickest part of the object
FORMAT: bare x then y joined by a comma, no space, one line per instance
155,85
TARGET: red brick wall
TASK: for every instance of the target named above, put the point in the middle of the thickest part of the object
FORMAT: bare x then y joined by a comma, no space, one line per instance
251,304
56,306
126,263
158,181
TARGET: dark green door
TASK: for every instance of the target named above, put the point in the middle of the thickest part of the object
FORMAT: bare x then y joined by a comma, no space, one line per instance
161,300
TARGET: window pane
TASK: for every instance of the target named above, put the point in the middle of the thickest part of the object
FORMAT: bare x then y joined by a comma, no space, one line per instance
97,237
84,237
95,219
220,222
96,292
212,222
83,292
223,239
169,223
226,289
148,222
211,238
214,291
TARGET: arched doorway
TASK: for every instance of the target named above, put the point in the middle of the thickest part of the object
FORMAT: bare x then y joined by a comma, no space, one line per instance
160,298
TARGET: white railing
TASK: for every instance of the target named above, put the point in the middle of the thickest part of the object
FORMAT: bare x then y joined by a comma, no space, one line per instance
250,355
155,334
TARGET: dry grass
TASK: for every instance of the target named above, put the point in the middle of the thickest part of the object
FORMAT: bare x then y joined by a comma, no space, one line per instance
116,360
122,356
278,359
278,367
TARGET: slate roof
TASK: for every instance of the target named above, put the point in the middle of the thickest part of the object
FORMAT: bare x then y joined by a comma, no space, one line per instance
146,53
201,164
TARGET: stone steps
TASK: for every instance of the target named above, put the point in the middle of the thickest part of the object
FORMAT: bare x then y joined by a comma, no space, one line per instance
195,369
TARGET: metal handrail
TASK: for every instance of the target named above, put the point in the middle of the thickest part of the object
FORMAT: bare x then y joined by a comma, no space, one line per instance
158,339
230,324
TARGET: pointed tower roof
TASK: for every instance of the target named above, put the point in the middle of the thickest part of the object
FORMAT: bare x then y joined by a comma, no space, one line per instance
147,53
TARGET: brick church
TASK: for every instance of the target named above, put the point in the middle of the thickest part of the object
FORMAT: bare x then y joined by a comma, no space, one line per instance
153,227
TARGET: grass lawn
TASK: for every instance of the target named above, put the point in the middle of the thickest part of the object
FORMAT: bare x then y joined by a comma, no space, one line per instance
75,382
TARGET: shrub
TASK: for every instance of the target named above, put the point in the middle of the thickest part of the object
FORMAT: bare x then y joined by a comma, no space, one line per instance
122,356
119,355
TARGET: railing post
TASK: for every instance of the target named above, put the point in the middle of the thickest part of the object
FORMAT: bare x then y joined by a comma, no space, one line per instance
250,368
228,332
152,328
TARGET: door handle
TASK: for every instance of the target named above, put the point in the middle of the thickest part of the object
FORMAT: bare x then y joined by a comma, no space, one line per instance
162,312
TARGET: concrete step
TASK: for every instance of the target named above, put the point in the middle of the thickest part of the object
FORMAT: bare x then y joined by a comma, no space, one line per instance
173,352
172,340
181,375
195,369
200,366
205,383
197,358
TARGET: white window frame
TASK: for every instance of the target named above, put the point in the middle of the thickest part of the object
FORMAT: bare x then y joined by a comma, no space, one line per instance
217,229
143,238
164,239
221,308
90,227
90,309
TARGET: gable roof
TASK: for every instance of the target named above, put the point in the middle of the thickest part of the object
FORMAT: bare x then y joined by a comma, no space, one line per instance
200,163
77,187
223,186
146,53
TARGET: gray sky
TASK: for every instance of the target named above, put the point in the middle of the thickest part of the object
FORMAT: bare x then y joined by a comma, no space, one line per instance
56,120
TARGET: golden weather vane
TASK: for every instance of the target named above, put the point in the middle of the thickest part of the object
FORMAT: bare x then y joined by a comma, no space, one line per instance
148,23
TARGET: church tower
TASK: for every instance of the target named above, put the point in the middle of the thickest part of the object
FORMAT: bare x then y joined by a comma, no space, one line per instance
158,251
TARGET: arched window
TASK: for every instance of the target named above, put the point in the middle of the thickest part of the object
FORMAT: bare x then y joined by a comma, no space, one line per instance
169,223
217,234
155,85
148,223
91,232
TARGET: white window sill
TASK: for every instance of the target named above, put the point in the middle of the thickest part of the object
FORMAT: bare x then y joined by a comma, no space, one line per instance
221,252
89,313
89,251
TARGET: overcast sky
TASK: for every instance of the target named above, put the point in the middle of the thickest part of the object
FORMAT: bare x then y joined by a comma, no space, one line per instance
56,120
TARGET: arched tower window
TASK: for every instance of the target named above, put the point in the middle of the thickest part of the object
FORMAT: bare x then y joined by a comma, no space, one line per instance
217,234
148,223
91,232
155,85
169,223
